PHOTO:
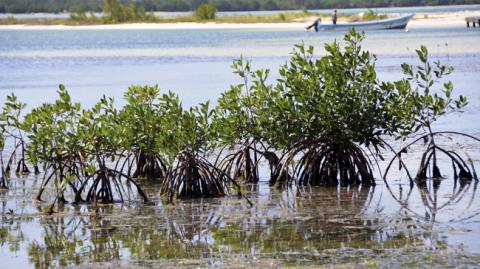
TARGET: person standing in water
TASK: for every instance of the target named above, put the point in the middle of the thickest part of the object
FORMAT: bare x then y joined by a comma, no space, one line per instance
334,17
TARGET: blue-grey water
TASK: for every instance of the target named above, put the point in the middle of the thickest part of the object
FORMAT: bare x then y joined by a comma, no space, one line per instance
344,226
196,63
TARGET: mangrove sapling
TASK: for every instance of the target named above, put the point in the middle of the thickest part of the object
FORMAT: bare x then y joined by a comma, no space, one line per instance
54,141
192,175
142,119
420,107
238,127
4,182
12,126
102,135
3,179
326,115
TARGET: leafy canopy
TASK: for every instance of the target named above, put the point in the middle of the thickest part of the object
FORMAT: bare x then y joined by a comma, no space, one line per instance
421,102
236,107
53,130
336,98
197,131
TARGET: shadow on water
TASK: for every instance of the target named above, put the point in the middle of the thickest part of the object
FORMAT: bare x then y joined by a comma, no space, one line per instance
348,227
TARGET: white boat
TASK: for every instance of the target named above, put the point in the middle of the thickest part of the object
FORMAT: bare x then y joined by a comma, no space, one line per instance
392,23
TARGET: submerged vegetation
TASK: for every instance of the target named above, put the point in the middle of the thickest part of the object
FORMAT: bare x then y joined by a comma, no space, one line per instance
325,121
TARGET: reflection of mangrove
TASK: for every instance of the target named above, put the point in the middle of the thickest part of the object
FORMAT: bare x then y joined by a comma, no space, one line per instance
261,230
60,244
72,240
86,237
328,219
462,191
11,233
181,232
425,205
198,230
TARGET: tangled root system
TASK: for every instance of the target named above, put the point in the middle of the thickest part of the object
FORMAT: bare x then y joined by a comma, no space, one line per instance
429,168
462,166
106,186
149,166
242,164
194,177
323,163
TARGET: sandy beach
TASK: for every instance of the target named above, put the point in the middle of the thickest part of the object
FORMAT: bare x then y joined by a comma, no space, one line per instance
450,19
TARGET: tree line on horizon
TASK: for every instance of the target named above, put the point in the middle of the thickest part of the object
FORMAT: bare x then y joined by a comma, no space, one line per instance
55,6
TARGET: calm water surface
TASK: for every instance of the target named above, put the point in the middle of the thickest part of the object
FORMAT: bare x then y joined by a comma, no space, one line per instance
389,226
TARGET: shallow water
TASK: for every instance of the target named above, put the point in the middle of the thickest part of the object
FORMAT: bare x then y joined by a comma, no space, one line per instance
194,63
392,226
347,227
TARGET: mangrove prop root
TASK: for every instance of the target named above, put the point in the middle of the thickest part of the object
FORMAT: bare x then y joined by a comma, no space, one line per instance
36,170
22,168
194,177
428,167
323,163
106,187
273,162
428,164
3,183
149,166
242,164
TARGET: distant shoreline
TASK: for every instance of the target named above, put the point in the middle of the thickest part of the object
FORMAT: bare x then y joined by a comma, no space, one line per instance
436,19
350,10
159,26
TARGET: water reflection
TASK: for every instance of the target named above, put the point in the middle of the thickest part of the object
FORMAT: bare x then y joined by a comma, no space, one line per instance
62,245
297,227
11,234
459,195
